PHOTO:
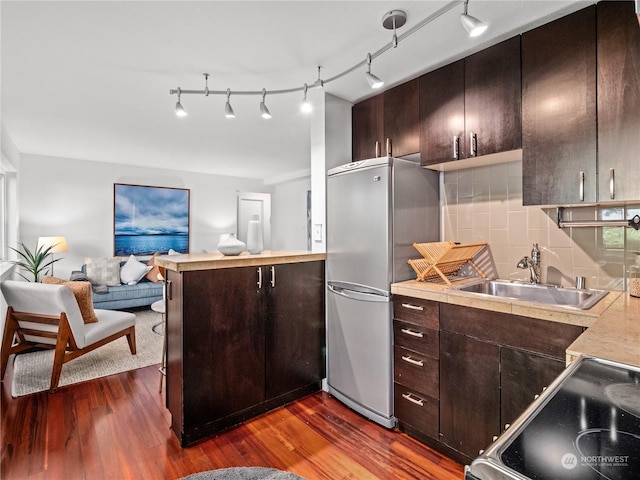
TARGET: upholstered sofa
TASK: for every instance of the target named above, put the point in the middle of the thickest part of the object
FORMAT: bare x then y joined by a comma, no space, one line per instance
123,296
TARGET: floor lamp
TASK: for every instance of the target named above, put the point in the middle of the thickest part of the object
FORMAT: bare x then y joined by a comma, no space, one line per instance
57,244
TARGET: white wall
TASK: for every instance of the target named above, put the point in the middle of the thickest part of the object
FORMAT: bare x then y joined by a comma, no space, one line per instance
330,147
289,214
74,198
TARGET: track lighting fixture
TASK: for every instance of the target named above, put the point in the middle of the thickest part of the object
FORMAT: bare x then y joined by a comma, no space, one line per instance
228,110
472,25
374,81
319,82
392,20
305,106
206,84
180,111
264,111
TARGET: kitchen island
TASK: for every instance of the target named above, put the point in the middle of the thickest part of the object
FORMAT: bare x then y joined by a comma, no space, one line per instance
245,334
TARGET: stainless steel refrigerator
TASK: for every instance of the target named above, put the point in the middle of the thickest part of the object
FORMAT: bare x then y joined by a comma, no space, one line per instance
376,210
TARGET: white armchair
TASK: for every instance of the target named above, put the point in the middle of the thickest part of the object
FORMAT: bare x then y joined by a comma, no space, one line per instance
47,315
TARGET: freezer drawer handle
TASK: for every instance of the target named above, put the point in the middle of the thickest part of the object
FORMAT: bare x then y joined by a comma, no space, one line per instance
412,307
412,333
413,361
413,399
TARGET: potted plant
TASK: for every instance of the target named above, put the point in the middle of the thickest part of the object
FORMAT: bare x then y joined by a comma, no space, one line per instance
36,262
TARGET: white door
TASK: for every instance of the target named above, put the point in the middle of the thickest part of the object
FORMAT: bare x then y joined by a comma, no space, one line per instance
250,204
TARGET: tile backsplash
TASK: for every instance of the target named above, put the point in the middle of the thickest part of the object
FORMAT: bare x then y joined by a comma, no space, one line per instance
485,204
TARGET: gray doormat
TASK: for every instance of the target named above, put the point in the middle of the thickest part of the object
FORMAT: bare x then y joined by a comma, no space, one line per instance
244,473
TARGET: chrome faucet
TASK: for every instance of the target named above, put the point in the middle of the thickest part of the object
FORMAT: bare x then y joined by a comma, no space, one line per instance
533,264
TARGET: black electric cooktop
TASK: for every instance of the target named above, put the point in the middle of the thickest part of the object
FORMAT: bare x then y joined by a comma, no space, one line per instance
586,427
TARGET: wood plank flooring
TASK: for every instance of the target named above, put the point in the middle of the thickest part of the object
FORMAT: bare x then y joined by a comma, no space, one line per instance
117,428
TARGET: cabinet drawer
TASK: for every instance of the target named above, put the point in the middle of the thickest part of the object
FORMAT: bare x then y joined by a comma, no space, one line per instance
416,310
416,337
416,371
415,409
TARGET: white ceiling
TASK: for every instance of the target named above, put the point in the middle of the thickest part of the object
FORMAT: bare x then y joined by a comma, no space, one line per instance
90,79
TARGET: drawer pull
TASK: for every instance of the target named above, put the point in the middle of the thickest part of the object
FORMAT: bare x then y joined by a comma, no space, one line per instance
412,307
413,361
412,333
413,399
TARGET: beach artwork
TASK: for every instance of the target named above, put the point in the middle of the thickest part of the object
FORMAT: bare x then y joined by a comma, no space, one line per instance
150,219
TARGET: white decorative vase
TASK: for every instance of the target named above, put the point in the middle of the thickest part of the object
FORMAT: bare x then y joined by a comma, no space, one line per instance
254,235
231,245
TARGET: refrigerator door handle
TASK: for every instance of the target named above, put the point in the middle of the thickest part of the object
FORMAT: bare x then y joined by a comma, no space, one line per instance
356,295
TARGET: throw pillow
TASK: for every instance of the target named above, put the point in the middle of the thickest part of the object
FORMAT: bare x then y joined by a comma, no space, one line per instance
82,292
133,271
155,270
103,271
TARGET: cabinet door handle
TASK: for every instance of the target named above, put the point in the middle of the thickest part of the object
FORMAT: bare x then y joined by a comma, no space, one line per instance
377,149
412,333
389,150
259,282
413,361
582,186
273,276
612,183
169,287
412,307
456,147
473,144
413,399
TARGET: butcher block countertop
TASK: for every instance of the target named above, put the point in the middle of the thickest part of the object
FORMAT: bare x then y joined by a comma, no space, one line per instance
209,261
612,325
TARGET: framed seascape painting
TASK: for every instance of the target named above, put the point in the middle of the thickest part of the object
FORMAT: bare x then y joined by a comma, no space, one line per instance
147,220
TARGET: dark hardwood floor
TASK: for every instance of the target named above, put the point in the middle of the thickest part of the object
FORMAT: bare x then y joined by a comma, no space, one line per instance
117,428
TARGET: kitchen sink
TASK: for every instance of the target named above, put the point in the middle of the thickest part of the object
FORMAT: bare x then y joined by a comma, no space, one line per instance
536,293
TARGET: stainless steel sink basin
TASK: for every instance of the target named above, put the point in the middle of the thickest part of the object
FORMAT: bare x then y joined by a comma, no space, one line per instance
539,293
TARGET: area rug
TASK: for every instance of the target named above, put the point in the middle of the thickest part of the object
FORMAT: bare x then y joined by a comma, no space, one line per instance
244,473
32,371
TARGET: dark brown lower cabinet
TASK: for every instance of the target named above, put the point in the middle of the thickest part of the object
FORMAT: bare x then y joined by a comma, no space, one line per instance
522,376
241,341
469,392
295,327
491,365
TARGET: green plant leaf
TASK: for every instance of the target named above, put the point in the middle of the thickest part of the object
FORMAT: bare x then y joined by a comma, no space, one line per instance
36,262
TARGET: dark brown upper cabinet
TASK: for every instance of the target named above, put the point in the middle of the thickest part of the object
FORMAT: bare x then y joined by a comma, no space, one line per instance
559,111
472,107
492,99
442,114
618,46
367,123
387,124
402,119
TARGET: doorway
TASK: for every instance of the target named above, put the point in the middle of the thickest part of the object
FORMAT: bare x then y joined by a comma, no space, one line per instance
249,204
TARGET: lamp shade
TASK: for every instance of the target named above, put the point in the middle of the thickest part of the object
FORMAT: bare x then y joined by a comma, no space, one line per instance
58,244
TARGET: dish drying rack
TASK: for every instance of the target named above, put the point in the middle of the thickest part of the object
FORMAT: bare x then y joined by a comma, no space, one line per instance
444,259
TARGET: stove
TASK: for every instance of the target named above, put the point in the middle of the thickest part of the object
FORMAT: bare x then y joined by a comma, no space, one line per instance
585,426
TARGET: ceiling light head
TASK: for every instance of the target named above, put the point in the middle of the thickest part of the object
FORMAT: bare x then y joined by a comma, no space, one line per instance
180,111
472,25
374,81
264,111
228,109
306,106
